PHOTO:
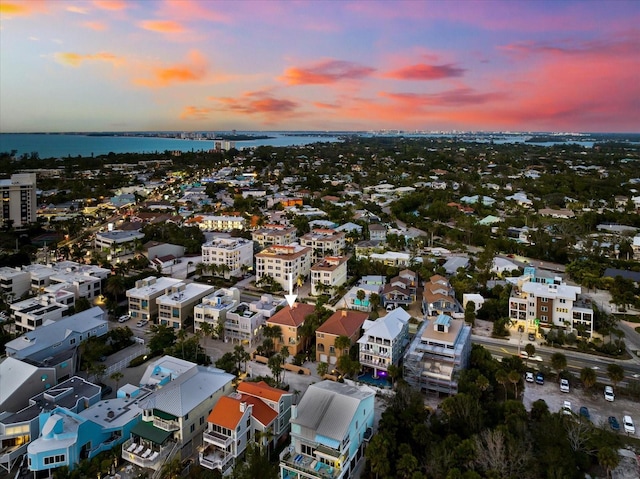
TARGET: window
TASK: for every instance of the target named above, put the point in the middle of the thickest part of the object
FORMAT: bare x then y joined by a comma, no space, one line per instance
544,309
202,420
192,428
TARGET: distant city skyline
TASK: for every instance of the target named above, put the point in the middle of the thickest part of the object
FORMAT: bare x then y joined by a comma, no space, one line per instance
196,65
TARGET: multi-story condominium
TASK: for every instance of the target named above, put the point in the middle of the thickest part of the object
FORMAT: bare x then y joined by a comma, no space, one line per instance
377,232
400,291
290,320
274,234
540,304
142,298
175,307
83,285
34,312
218,223
175,416
14,283
245,321
214,308
282,262
18,429
323,242
439,350
234,253
384,341
328,273
19,202
241,417
329,429
341,323
117,243
439,298
41,275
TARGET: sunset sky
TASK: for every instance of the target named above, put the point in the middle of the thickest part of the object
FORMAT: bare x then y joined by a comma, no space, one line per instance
112,65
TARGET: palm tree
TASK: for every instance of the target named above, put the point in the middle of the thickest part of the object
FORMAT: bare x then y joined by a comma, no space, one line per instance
172,469
502,378
530,349
117,376
608,458
342,345
615,373
558,362
394,372
588,377
240,355
322,369
115,286
514,378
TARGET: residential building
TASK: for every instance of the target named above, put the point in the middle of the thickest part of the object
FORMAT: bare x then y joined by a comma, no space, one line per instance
400,291
218,223
19,202
439,297
341,323
377,232
234,254
156,249
274,234
438,352
395,258
323,242
368,285
83,285
117,243
175,307
240,418
383,342
214,308
533,304
34,312
18,429
290,321
175,415
329,429
282,262
14,283
20,380
328,274
142,298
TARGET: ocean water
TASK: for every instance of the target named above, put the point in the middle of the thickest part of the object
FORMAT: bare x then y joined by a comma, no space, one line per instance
63,146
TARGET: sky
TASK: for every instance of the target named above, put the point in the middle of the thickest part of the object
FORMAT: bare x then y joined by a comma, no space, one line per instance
199,65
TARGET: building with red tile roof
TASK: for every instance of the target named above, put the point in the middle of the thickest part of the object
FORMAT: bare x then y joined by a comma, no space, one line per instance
341,323
290,320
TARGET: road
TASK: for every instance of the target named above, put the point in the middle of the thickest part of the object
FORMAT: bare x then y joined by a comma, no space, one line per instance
575,360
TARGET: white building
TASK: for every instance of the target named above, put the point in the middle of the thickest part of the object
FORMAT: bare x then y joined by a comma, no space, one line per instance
274,234
142,298
34,312
323,242
214,308
14,282
175,307
331,272
384,341
117,243
279,261
19,202
218,223
235,253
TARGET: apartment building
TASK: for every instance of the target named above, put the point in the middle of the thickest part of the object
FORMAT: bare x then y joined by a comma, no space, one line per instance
219,223
328,274
438,352
175,307
142,298
214,308
341,323
14,283
280,261
329,429
323,242
274,234
384,341
234,253
83,285
290,320
19,201
540,304
34,312
117,243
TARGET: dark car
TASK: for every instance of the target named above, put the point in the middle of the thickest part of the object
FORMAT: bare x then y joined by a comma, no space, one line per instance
539,378
613,423
584,412
532,337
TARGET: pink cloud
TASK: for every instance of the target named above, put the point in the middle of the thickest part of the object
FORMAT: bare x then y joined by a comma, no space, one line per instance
187,10
96,25
76,59
326,72
259,103
113,5
195,69
451,98
423,71
162,26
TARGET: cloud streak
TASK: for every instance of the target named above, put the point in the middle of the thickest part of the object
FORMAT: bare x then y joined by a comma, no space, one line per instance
162,26
194,70
76,59
326,72
423,71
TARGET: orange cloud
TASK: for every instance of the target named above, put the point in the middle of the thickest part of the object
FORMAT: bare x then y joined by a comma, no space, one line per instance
16,9
457,97
75,9
76,59
195,113
259,103
423,71
110,4
97,26
161,26
326,72
195,70
192,10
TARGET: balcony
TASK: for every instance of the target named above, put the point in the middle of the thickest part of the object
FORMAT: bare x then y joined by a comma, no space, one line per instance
145,453
306,465
214,458
166,425
377,363
217,439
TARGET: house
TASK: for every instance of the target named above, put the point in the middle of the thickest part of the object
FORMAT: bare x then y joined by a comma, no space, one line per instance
20,380
560,213
395,258
142,298
282,262
83,284
438,298
175,307
235,255
377,232
214,308
117,243
341,323
277,400
323,242
18,429
384,341
329,429
290,320
400,291
436,355
328,274
274,234
454,263
503,265
359,296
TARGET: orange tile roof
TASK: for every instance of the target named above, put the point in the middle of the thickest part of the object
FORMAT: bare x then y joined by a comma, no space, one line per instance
261,390
226,413
261,412
292,316
343,323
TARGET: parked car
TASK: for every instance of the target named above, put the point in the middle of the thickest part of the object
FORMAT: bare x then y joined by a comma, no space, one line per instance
124,318
608,393
584,412
532,337
566,407
629,427
564,385
142,322
613,423
539,378
529,377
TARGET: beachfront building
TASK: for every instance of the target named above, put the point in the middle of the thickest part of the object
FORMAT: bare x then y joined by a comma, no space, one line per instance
341,323
329,429
175,307
274,234
142,298
218,223
328,274
438,352
234,254
19,201
280,263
